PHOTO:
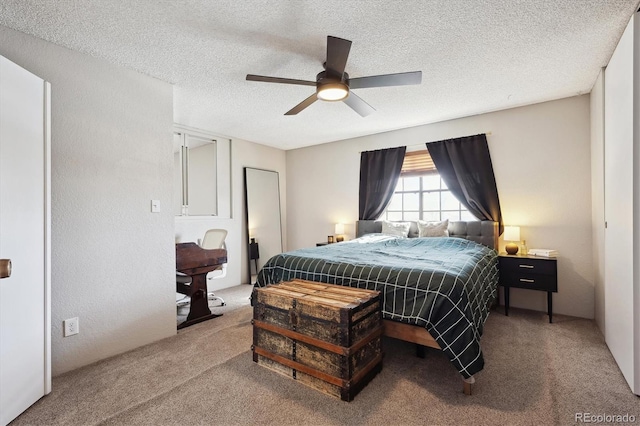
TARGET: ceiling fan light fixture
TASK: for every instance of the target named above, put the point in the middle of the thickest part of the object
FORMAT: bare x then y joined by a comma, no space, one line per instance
333,83
333,91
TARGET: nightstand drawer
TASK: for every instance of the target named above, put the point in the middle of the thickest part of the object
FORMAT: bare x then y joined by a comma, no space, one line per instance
530,281
515,265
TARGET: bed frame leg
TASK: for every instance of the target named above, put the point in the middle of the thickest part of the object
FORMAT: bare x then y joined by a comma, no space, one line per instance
467,385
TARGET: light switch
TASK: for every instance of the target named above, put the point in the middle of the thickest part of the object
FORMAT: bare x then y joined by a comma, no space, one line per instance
155,206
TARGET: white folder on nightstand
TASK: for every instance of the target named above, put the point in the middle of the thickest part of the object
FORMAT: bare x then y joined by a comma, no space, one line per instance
543,252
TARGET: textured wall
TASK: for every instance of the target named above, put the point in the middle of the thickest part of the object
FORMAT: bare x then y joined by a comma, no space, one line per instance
112,259
541,159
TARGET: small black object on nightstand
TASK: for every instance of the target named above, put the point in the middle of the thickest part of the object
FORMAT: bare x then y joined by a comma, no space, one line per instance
529,272
321,244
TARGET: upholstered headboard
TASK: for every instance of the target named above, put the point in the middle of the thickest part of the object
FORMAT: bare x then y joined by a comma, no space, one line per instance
484,232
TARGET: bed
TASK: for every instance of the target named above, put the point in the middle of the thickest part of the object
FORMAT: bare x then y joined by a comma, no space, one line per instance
436,291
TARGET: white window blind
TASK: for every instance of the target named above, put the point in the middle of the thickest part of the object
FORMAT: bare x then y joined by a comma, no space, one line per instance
417,163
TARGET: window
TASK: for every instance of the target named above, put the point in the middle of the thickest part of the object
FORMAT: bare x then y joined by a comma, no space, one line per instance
202,174
195,177
421,194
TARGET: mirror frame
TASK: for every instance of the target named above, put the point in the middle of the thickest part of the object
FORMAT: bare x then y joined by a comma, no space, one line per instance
246,212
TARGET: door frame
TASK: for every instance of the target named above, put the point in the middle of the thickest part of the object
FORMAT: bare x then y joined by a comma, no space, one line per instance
47,237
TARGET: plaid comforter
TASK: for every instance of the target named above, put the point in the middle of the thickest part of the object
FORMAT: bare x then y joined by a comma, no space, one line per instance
443,284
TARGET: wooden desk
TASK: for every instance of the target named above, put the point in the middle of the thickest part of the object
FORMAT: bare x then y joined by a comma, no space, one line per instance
196,262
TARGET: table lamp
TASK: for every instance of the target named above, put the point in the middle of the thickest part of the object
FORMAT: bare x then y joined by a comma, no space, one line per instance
339,232
511,234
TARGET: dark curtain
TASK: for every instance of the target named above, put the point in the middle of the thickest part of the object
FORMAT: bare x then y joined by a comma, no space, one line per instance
379,173
465,166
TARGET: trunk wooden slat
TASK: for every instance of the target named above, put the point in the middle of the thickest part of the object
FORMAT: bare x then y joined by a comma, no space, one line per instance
325,336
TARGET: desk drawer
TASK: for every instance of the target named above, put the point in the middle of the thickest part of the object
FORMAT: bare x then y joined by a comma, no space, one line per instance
514,265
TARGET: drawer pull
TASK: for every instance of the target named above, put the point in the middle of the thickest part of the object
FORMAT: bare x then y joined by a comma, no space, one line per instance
527,266
524,280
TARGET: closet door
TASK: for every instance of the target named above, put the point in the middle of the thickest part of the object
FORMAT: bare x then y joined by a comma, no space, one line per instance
24,237
619,200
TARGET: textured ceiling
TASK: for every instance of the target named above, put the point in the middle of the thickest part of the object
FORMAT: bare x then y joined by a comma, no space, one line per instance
475,55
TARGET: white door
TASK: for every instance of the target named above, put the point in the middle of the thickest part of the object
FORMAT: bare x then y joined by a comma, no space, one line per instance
24,238
618,208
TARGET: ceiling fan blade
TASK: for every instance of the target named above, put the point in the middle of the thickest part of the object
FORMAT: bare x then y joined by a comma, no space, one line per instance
337,54
358,105
302,105
251,77
400,79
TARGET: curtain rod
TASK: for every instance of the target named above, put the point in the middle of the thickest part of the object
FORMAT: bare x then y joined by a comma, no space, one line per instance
424,143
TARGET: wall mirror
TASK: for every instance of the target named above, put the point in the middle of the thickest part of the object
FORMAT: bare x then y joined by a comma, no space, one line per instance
264,227
195,181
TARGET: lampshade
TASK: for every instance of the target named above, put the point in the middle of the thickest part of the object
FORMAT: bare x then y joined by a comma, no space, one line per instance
511,233
333,91
339,228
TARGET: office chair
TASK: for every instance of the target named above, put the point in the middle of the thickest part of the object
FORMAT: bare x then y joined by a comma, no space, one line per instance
214,239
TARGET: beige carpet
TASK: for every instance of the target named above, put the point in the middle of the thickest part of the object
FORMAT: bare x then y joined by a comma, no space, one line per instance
536,373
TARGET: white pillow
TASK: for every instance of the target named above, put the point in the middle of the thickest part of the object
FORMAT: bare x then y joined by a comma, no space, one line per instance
433,229
370,238
400,229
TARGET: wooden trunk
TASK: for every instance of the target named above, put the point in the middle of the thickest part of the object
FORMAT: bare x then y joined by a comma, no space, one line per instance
325,336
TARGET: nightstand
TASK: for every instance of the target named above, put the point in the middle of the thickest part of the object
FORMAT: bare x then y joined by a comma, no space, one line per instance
254,254
531,273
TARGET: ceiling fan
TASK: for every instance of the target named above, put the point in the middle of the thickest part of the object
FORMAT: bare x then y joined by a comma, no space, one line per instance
333,84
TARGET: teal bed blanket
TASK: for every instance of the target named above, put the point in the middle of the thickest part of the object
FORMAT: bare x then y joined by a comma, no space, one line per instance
443,284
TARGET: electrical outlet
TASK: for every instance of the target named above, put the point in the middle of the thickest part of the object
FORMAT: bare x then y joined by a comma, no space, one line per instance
71,326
